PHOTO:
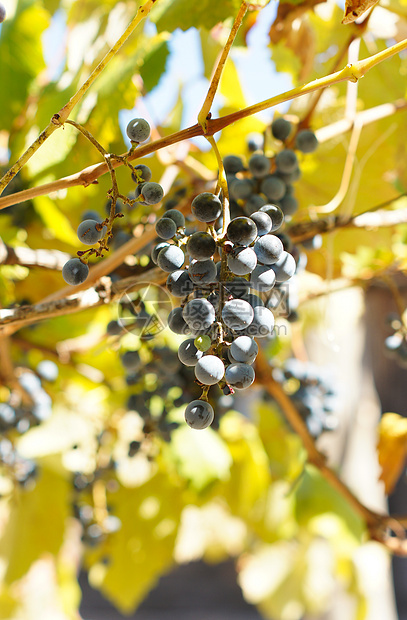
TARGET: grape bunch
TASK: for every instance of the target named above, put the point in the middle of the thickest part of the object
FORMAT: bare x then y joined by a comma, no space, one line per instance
97,521
221,310
17,416
311,390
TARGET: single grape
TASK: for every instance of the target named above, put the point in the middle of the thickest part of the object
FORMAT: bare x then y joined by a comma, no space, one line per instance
201,246
170,258
241,189
131,360
253,203
289,177
91,215
176,322
188,354
114,328
286,161
202,343
202,271
286,241
120,239
233,164
242,231
306,141
259,165
285,267
237,314
275,214
166,228
239,376
289,204
255,141
206,207
157,249
268,249
262,278
262,221
88,233
144,174
177,216
170,203
199,414
48,370
2,13
262,324
209,370
244,349
75,272
152,192
199,314
273,187
314,243
7,415
179,283
242,261
138,130
281,129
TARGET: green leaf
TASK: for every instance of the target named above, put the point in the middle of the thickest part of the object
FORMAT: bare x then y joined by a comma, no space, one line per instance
154,64
172,14
315,496
35,524
21,59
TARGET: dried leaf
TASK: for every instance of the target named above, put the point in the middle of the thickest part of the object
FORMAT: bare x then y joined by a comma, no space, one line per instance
356,8
392,448
286,14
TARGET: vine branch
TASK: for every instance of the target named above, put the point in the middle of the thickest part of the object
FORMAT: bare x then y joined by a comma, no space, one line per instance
203,115
377,524
91,174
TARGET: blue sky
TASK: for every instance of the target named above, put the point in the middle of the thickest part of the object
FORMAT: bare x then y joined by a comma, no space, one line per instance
185,71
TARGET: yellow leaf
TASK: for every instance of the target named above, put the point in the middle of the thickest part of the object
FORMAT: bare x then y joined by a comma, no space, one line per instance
35,525
55,221
392,448
142,550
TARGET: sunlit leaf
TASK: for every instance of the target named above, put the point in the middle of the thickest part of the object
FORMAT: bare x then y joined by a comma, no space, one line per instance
392,448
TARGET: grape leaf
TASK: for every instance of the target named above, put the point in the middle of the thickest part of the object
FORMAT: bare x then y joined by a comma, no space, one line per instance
21,59
142,550
172,14
36,523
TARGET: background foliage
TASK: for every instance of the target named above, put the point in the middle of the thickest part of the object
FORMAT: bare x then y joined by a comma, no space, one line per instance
243,490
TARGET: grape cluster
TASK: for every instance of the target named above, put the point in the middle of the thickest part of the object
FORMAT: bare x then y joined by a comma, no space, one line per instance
396,343
18,416
97,521
311,390
220,308
269,179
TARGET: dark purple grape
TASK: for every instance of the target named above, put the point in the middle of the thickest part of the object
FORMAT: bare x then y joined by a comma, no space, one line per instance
201,246
242,231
